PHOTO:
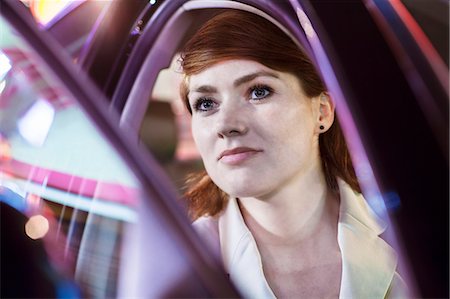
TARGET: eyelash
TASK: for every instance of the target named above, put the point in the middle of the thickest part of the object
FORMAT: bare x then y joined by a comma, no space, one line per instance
260,87
200,101
197,105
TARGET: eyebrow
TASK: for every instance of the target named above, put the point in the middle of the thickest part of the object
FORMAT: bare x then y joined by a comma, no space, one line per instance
206,89
250,77
237,82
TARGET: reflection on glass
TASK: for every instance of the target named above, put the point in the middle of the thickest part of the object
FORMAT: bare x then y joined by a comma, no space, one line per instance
58,171
35,123
5,65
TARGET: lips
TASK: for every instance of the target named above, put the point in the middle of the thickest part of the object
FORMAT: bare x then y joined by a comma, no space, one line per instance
237,155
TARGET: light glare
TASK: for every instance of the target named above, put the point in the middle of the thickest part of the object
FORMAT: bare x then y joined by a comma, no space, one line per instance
2,86
5,65
45,10
37,227
35,124
306,24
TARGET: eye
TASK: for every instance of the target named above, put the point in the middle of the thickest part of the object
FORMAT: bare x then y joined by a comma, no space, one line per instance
204,104
260,92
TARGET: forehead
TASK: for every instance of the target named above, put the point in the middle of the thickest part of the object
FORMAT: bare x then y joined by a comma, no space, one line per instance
232,73
228,70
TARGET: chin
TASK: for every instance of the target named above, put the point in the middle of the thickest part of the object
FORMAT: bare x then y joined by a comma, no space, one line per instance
242,190
241,183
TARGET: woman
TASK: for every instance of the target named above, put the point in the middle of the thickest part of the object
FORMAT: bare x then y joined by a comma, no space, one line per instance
279,202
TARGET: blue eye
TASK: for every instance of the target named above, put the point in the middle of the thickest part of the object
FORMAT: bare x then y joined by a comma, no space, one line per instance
260,92
204,104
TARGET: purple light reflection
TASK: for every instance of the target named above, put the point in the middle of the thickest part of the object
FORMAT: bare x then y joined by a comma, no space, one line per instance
363,168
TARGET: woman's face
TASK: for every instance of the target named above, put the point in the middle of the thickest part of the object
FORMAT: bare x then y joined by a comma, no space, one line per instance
254,127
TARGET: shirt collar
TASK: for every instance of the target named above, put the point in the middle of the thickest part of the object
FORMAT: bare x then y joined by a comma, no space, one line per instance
368,263
240,254
355,206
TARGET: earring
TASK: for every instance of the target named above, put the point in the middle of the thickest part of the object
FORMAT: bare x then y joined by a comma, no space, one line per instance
321,127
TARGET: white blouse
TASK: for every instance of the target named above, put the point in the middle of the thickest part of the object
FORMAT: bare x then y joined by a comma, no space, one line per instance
368,262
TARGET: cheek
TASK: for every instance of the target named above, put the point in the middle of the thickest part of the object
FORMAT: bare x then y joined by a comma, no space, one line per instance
201,135
196,134
291,132
286,123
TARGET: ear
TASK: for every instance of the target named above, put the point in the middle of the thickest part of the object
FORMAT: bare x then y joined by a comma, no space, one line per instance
325,117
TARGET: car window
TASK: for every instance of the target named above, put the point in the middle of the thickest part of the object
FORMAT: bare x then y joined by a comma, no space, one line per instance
66,175
57,166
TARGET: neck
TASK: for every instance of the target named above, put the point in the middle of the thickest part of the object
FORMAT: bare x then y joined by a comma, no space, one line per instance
293,214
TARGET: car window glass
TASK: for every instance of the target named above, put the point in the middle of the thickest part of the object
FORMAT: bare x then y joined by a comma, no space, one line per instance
56,168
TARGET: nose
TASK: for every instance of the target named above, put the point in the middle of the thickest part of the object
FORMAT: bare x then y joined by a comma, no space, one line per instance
231,121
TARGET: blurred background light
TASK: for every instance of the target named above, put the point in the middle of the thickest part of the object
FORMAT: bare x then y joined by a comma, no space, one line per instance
36,227
306,24
2,86
45,10
5,65
392,200
12,198
35,124
34,201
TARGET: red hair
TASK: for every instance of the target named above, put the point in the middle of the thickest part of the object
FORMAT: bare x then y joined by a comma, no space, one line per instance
236,34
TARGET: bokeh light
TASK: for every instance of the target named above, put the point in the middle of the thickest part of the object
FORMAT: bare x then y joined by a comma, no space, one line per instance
37,227
45,10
